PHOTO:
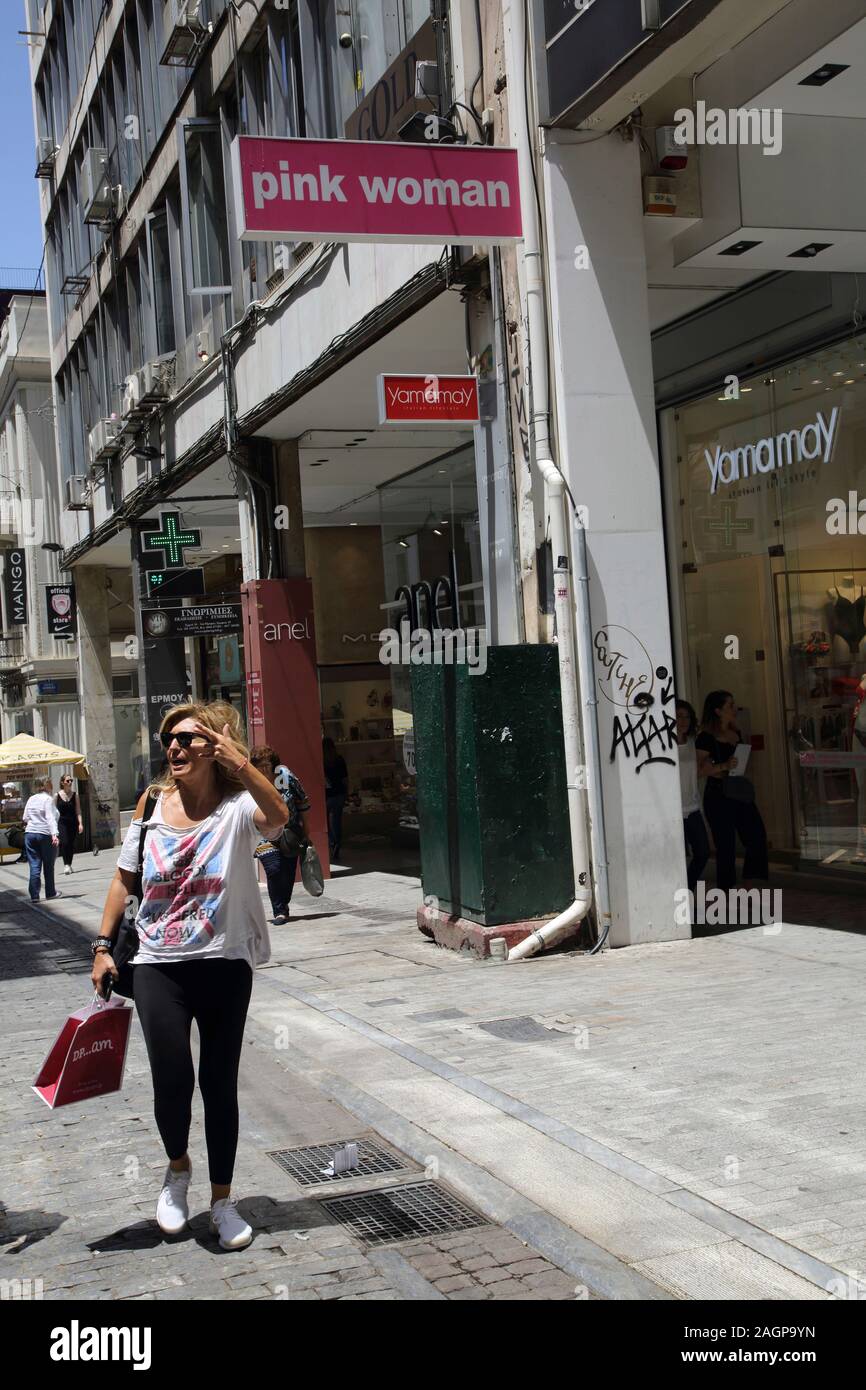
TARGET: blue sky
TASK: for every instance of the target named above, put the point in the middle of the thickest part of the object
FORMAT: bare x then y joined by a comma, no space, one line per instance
20,230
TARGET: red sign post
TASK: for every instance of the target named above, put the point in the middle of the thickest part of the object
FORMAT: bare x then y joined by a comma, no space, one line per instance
283,688
428,400
363,190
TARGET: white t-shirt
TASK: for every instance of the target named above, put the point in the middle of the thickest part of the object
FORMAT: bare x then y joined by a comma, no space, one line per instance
40,815
689,777
200,895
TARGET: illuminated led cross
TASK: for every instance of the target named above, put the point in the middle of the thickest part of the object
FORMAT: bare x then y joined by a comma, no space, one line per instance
170,540
728,525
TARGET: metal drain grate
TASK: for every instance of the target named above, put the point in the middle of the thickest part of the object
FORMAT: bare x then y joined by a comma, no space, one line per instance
402,1213
306,1165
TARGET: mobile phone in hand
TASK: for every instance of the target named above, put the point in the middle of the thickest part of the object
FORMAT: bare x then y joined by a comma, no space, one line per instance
107,983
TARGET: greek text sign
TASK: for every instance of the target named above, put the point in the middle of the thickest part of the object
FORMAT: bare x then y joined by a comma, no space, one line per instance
428,400
361,190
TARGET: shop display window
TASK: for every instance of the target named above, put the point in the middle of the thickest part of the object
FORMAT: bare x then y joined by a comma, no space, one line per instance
765,484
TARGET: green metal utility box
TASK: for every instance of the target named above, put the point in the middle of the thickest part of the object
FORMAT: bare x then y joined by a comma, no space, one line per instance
492,794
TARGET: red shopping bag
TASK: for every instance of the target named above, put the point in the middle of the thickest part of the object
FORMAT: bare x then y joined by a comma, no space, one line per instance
89,1056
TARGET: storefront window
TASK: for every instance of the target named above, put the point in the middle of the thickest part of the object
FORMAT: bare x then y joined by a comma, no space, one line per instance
370,36
771,572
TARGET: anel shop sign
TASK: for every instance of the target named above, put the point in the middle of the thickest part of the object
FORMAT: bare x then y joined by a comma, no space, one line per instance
362,190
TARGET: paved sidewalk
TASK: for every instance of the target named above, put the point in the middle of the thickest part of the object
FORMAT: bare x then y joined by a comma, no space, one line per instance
693,1109
79,1185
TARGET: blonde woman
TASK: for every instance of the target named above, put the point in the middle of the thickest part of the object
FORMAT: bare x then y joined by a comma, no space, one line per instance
201,931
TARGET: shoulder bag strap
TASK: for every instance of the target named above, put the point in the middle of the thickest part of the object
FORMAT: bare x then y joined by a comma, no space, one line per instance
149,808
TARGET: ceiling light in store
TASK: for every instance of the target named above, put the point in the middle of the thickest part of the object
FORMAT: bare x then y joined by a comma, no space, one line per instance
443,522
436,531
816,381
744,390
838,373
739,248
849,381
402,541
445,470
824,74
353,523
806,253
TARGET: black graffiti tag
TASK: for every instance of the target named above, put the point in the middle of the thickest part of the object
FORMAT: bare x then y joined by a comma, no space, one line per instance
644,736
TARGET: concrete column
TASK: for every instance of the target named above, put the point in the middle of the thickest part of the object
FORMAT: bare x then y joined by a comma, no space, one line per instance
493,468
98,743
287,489
606,446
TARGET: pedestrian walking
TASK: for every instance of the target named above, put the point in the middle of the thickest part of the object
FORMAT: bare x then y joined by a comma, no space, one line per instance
41,839
201,932
69,821
277,860
336,791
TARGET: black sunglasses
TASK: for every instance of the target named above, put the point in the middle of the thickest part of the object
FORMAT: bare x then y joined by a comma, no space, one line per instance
184,738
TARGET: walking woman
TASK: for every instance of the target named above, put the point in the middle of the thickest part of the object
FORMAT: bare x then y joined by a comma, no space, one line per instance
694,830
729,803
70,822
41,839
336,791
201,930
280,868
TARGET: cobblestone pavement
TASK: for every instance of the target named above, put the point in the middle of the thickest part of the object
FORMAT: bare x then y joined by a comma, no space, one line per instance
79,1185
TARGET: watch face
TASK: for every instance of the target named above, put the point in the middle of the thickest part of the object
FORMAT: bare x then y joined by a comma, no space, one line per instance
157,624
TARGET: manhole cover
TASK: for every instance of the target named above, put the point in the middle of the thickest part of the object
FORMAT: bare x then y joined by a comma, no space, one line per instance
522,1029
307,1165
402,1213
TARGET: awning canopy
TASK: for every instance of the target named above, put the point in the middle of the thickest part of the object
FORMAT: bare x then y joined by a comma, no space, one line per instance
24,753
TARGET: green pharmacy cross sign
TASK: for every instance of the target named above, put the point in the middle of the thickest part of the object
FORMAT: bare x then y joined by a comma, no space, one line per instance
170,539
728,526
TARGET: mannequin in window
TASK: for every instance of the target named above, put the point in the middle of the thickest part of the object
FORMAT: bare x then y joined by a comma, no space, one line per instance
846,607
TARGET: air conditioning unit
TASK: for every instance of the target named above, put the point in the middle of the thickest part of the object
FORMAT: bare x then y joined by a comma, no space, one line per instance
156,380
186,34
131,395
100,199
104,440
77,493
46,154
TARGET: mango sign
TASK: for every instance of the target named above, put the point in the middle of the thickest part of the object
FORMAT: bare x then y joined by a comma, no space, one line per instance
358,190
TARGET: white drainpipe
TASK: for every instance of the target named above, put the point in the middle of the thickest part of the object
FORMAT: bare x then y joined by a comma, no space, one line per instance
559,516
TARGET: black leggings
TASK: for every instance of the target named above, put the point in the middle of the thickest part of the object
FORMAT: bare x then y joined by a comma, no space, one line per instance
216,993
729,819
67,834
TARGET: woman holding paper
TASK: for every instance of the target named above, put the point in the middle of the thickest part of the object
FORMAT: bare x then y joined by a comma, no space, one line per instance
729,797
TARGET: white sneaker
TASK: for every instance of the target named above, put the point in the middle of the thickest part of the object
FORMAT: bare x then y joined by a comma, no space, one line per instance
68,869
172,1209
227,1223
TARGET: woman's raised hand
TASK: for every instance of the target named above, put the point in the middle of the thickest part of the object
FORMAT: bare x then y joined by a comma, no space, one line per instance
220,747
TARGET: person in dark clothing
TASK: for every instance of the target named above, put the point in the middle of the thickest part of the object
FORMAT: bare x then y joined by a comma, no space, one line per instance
694,830
280,869
70,823
336,791
728,817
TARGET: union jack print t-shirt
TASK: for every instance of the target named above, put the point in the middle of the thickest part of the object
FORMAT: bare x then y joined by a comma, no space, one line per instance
200,892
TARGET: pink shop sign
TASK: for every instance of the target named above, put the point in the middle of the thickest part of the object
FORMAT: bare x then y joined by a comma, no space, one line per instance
366,190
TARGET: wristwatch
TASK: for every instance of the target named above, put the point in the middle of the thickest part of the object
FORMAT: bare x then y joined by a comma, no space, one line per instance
102,943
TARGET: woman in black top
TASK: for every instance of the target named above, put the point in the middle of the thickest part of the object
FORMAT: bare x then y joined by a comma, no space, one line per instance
70,823
336,791
728,815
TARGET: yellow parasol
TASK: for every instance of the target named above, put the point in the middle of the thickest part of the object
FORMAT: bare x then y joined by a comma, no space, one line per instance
24,753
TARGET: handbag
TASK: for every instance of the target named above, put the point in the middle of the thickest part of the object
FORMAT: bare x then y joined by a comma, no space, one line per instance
126,942
738,789
290,844
311,872
88,1056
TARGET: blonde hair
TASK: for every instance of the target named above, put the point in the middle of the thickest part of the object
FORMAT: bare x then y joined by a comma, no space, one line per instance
214,715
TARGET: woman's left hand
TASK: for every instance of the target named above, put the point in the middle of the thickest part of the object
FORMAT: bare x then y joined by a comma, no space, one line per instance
220,747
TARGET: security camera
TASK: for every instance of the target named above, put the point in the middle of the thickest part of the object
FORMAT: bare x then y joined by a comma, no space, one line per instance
345,40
